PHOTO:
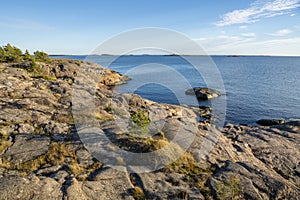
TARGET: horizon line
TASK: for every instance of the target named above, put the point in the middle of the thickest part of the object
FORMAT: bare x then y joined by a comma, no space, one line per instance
227,55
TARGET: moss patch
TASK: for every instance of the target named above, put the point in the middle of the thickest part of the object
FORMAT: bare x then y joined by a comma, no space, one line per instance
229,189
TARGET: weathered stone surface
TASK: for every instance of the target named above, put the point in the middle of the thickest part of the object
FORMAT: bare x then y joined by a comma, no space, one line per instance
84,157
106,184
25,129
16,187
166,186
26,147
242,180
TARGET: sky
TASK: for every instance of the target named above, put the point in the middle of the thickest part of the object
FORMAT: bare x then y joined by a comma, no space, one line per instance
247,27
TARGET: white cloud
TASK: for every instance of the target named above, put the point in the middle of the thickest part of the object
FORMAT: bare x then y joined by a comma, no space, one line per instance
248,34
258,10
281,32
292,15
243,27
222,43
233,45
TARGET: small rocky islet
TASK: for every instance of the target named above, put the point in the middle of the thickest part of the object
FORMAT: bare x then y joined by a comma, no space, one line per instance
42,156
203,93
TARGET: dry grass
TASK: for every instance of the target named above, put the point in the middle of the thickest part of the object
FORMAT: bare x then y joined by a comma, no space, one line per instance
229,189
64,118
155,144
4,143
194,175
138,193
58,154
103,116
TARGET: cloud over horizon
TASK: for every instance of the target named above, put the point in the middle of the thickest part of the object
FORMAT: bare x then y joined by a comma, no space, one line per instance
282,32
257,10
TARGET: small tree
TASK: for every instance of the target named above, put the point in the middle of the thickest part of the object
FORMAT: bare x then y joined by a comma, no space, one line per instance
2,55
27,56
41,56
11,54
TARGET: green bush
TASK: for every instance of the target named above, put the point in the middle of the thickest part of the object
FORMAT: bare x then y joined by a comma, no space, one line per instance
139,123
41,56
10,53
140,118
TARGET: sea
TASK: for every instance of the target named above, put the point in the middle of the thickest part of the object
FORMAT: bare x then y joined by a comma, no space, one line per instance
252,87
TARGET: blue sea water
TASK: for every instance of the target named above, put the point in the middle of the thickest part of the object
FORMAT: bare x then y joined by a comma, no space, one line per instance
255,87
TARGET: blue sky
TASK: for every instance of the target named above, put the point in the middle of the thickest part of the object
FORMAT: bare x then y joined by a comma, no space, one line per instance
259,27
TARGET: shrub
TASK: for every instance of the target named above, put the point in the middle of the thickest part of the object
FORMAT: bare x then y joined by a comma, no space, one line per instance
139,123
41,56
139,119
10,53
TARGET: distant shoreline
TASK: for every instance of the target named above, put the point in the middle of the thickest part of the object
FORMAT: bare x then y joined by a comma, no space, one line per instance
58,55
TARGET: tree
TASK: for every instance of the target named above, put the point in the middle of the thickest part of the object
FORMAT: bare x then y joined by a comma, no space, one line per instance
27,56
12,54
41,56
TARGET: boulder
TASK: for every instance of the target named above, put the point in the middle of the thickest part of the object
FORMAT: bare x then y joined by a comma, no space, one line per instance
203,93
270,122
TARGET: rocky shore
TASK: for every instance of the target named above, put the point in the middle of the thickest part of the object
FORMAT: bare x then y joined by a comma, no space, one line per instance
42,156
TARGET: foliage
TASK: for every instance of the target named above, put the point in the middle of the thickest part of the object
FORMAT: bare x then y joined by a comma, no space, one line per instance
139,119
10,53
139,123
41,56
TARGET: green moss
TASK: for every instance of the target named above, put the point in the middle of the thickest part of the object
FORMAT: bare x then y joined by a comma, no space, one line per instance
43,76
229,189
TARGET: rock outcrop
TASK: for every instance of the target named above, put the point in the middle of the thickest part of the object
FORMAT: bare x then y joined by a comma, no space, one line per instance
203,93
42,156
270,122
